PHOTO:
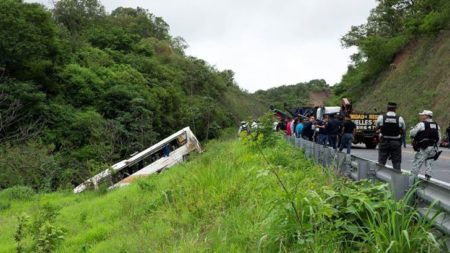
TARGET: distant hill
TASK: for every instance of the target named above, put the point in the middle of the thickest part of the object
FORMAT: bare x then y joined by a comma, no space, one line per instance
314,92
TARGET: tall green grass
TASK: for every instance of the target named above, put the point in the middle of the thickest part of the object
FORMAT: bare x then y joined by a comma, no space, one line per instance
232,198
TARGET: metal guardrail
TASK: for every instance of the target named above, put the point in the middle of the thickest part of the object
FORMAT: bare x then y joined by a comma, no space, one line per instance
357,168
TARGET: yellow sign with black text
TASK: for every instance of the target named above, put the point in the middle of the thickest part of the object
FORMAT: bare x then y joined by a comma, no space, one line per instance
364,121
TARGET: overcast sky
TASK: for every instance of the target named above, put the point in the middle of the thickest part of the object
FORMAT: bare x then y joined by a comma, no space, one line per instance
266,43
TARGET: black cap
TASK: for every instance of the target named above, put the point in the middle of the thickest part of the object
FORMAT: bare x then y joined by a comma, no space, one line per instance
392,105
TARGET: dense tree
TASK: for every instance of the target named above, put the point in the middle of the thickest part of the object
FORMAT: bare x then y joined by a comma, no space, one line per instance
88,88
390,26
77,14
28,42
20,106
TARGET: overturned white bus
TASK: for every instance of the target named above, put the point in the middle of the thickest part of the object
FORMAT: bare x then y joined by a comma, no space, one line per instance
164,154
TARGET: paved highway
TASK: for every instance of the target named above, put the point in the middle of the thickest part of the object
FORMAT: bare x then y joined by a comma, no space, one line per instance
441,167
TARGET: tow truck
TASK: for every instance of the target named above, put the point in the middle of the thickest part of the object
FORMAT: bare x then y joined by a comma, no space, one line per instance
366,124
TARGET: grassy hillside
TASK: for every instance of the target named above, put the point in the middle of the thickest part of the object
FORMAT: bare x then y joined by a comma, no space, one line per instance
418,79
243,105
228,199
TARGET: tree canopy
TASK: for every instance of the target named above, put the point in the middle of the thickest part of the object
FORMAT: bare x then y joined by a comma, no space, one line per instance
91,87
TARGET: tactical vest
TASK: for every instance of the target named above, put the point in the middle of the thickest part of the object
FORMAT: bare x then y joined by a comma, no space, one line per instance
390,126
428,137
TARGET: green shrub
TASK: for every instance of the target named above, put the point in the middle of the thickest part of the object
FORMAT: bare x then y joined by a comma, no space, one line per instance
145,185
17,193
263,135
4,205
48,238
45,235
21,232
30,164
436,20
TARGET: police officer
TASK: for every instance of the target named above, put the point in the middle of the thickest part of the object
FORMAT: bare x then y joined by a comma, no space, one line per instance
391,127
448,136
426,136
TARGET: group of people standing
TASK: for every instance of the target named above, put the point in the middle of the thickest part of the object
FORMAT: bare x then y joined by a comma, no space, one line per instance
337,132
333,131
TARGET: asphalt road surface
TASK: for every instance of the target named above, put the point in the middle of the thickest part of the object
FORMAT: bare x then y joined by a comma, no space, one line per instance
440,169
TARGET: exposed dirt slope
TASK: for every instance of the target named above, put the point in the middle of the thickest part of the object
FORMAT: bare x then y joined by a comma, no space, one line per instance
418,79
318,98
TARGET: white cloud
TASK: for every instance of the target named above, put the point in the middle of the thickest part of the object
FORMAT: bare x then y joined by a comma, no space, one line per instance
266,42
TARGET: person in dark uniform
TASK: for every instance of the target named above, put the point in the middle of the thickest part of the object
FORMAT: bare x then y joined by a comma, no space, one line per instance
391,127
323,131
333,128
308,128
348,133
404,140
448,135
341,119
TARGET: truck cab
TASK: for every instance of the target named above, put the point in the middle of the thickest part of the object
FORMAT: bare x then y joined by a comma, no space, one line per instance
327,110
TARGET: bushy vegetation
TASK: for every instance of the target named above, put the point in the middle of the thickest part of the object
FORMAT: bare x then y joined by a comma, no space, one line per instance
392,24
260,194
294,95
80,88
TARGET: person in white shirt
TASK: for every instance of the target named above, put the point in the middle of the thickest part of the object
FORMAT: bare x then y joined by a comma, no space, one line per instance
426,136
243,127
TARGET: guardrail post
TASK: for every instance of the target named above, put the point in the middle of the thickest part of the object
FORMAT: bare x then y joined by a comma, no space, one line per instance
307,149
341,163
372,171
316,153
347,165
354,168
327,156
320,154
363,169
333,158
398,182
323,155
